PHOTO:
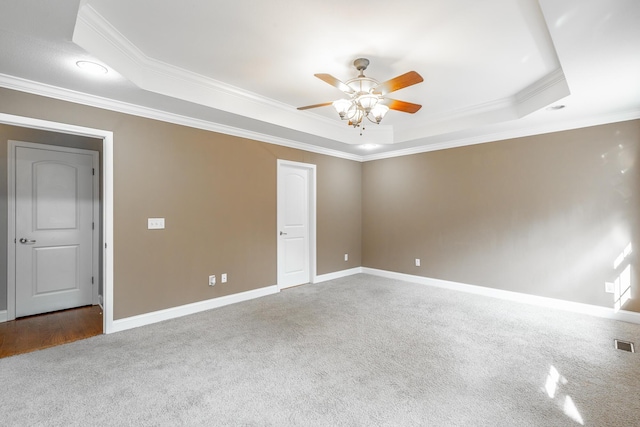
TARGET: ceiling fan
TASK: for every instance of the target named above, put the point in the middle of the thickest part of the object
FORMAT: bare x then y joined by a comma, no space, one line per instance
367,95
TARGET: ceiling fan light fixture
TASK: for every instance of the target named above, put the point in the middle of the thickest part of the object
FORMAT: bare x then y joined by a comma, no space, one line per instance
355,116
378,112
342,106
367,96
367,102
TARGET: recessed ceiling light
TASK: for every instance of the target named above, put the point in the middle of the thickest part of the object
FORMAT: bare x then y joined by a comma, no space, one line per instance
92,67
556,107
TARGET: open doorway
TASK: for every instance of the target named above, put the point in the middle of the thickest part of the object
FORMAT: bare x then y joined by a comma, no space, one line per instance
53,286
41,331
63,135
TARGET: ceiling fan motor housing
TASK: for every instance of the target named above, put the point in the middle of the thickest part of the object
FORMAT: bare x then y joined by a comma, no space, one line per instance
361,64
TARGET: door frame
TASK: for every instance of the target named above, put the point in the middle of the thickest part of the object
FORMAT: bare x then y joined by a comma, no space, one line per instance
107,204
11,217
312,218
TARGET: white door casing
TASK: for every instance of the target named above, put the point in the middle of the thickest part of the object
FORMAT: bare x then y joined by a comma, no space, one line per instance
55,230
106,229
296,233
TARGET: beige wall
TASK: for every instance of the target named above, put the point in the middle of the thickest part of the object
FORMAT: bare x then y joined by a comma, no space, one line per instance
544,215
218,195
341,183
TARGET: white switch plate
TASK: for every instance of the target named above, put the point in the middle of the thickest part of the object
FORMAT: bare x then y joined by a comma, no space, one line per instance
609,287
417,262
212,280
223,278
155,223
346,257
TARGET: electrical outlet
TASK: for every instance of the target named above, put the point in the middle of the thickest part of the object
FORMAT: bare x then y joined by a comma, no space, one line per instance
417,262
223,278
346,257
212,280
609,287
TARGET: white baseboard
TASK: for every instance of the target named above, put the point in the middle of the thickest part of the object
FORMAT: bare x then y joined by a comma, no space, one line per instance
184,310
576,307
337,275
3,316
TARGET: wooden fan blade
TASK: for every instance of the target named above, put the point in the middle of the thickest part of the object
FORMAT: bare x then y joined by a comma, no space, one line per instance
328,78
397,83
405,107
324,104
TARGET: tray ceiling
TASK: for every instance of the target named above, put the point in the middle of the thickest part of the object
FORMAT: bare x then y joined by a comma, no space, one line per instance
491,68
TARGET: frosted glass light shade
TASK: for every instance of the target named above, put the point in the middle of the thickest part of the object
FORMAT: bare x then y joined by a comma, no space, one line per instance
367,102
378,112
342,106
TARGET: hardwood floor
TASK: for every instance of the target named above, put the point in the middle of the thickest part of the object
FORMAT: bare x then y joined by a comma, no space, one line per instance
47,330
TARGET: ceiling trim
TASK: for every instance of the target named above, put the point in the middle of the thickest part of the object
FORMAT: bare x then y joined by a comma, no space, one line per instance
91,19
49,91
99,37
545,91
460,119
42,89
511,134
556,77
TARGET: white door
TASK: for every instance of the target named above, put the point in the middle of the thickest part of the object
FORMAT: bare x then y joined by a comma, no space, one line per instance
54,202
296,223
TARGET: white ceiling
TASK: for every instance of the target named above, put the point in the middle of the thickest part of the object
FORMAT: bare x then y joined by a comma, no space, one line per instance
490,67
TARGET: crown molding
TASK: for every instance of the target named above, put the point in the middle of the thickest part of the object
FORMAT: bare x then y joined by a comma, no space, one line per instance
94,21
503,109
99,37
547,90
510,134
550,80
49,91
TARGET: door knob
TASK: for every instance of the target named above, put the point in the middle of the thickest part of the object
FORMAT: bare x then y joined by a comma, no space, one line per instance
27,241
282,233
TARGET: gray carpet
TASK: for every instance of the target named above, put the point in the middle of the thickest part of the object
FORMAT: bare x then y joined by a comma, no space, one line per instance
355,351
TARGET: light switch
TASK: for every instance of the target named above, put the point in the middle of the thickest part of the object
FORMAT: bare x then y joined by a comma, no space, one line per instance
155,223
609,287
